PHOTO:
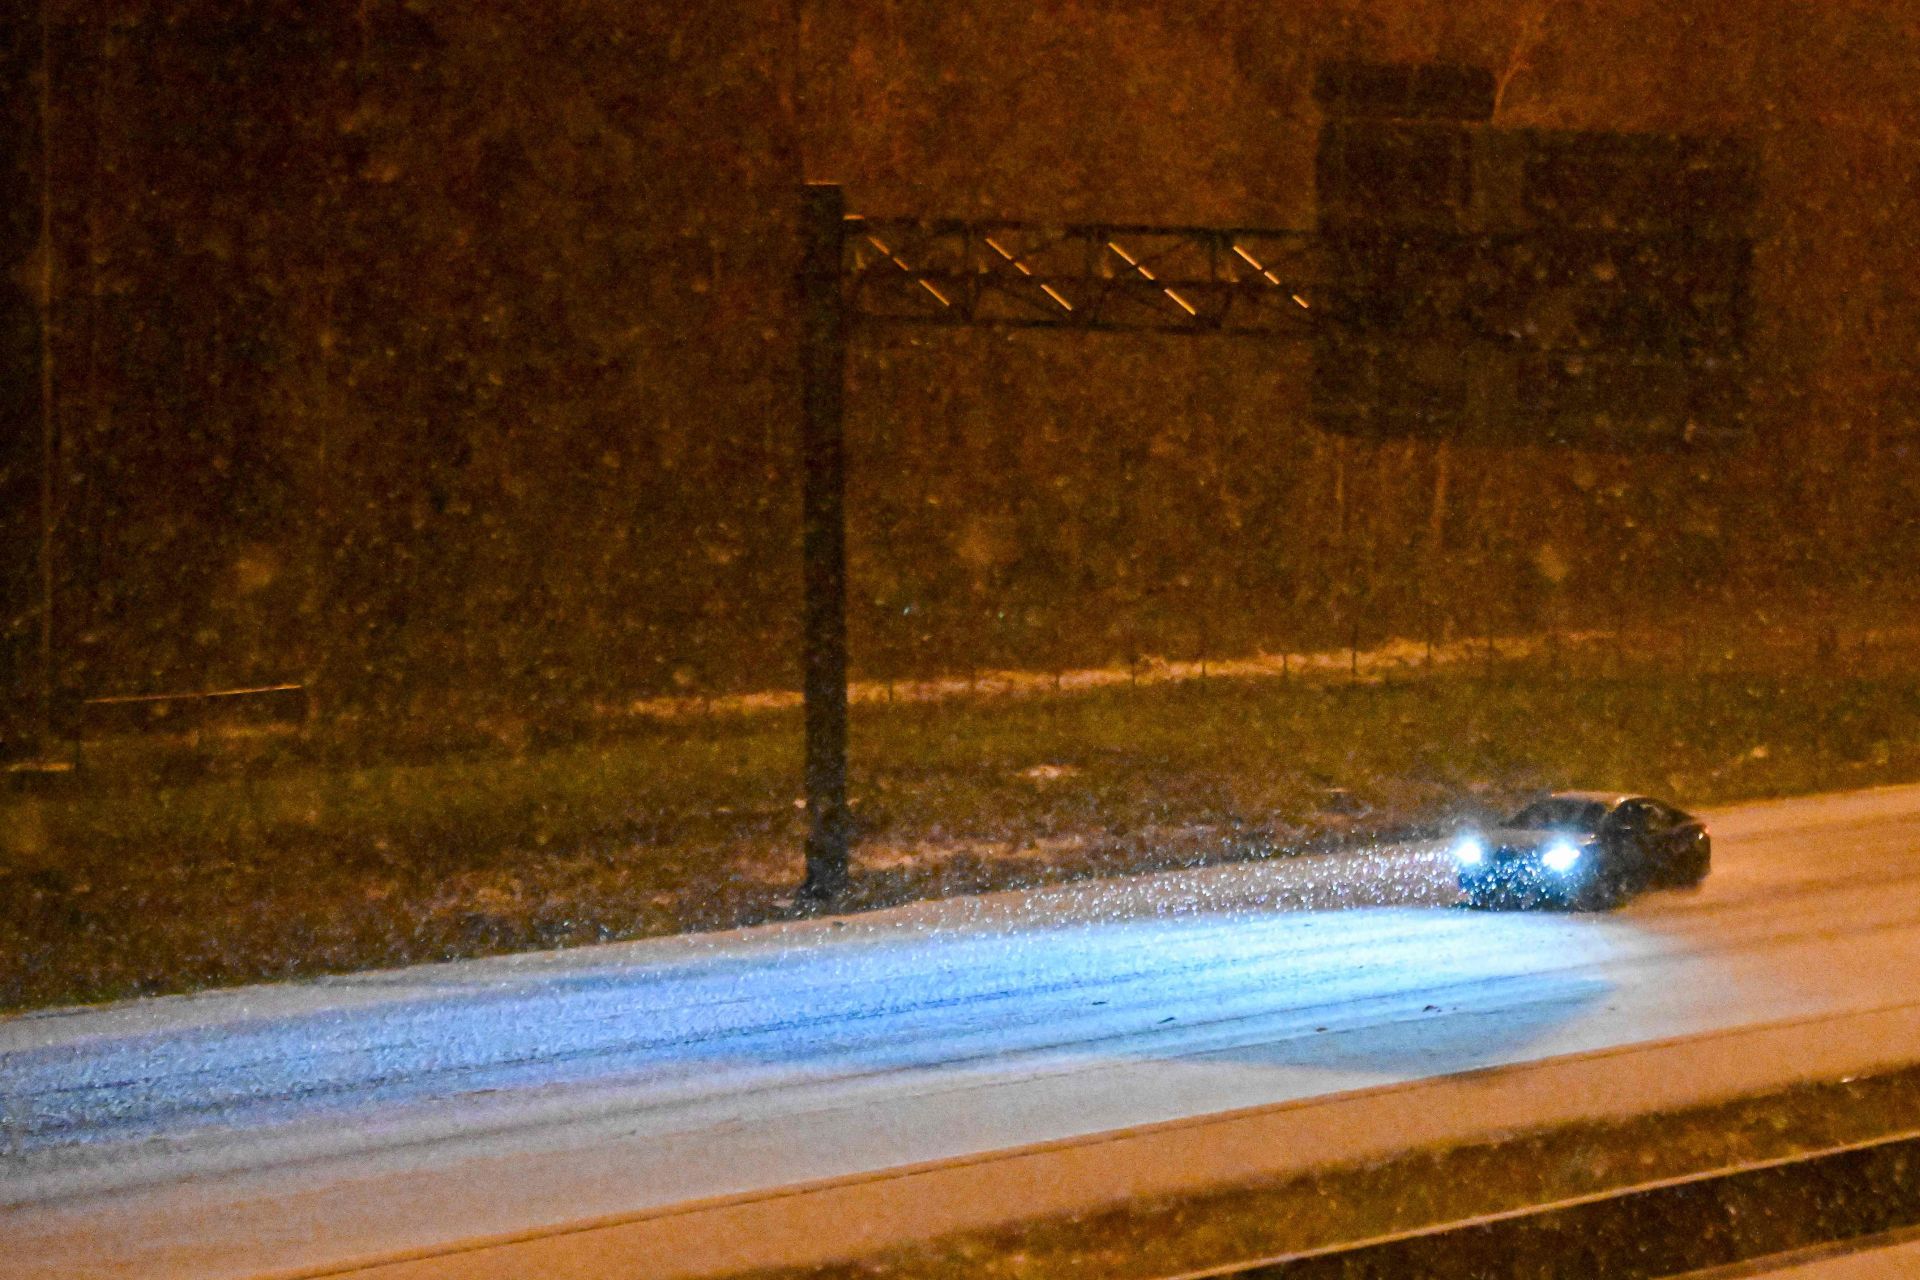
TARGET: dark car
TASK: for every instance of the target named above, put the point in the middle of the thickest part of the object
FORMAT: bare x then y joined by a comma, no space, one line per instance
1582,849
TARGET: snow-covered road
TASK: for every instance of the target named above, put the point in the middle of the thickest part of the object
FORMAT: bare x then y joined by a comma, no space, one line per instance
296,1129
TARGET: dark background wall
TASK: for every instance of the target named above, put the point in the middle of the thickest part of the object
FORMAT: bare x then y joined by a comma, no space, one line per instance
441,355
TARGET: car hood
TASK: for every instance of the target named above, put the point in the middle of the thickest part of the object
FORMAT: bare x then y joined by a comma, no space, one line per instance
1532,839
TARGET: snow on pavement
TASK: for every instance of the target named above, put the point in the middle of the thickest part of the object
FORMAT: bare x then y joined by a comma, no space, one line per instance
730,1062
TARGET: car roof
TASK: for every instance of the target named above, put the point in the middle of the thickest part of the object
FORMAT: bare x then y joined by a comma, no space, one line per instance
1611,799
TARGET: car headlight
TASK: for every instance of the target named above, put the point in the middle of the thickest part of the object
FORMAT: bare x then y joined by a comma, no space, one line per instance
1469,850
1560,855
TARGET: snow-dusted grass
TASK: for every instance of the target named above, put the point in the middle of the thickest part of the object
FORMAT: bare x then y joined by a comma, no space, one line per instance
1419,1190
120,885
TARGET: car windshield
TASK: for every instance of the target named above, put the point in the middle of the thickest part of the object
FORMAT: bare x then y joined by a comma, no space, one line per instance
1559,814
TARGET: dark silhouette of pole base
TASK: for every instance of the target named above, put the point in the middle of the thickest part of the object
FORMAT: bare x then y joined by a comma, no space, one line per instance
823,361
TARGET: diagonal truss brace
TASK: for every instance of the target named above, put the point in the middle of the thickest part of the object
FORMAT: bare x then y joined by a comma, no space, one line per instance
1083,276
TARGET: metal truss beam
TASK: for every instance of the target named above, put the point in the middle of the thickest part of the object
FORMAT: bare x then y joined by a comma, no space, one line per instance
1084,276
1511,290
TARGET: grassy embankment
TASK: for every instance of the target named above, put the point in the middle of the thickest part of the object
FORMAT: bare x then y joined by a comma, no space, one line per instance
127,883
1423,1189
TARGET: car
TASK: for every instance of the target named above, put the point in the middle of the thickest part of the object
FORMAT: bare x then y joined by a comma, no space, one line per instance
1587,850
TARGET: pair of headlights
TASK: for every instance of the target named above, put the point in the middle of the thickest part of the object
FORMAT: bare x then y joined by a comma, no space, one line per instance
1560,856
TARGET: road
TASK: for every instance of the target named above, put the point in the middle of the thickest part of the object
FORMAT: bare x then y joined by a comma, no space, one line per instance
305,1128
1894,1258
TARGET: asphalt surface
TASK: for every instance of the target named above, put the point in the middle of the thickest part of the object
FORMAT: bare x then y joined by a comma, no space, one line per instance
723,1065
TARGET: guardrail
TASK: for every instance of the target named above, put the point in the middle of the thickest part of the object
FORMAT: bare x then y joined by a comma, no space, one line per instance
183,712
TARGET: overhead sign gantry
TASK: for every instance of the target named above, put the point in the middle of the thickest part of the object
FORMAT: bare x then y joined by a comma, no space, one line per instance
1464,282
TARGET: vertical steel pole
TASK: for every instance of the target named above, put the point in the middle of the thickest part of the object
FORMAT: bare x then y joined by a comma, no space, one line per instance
49,516
823,367
24,477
